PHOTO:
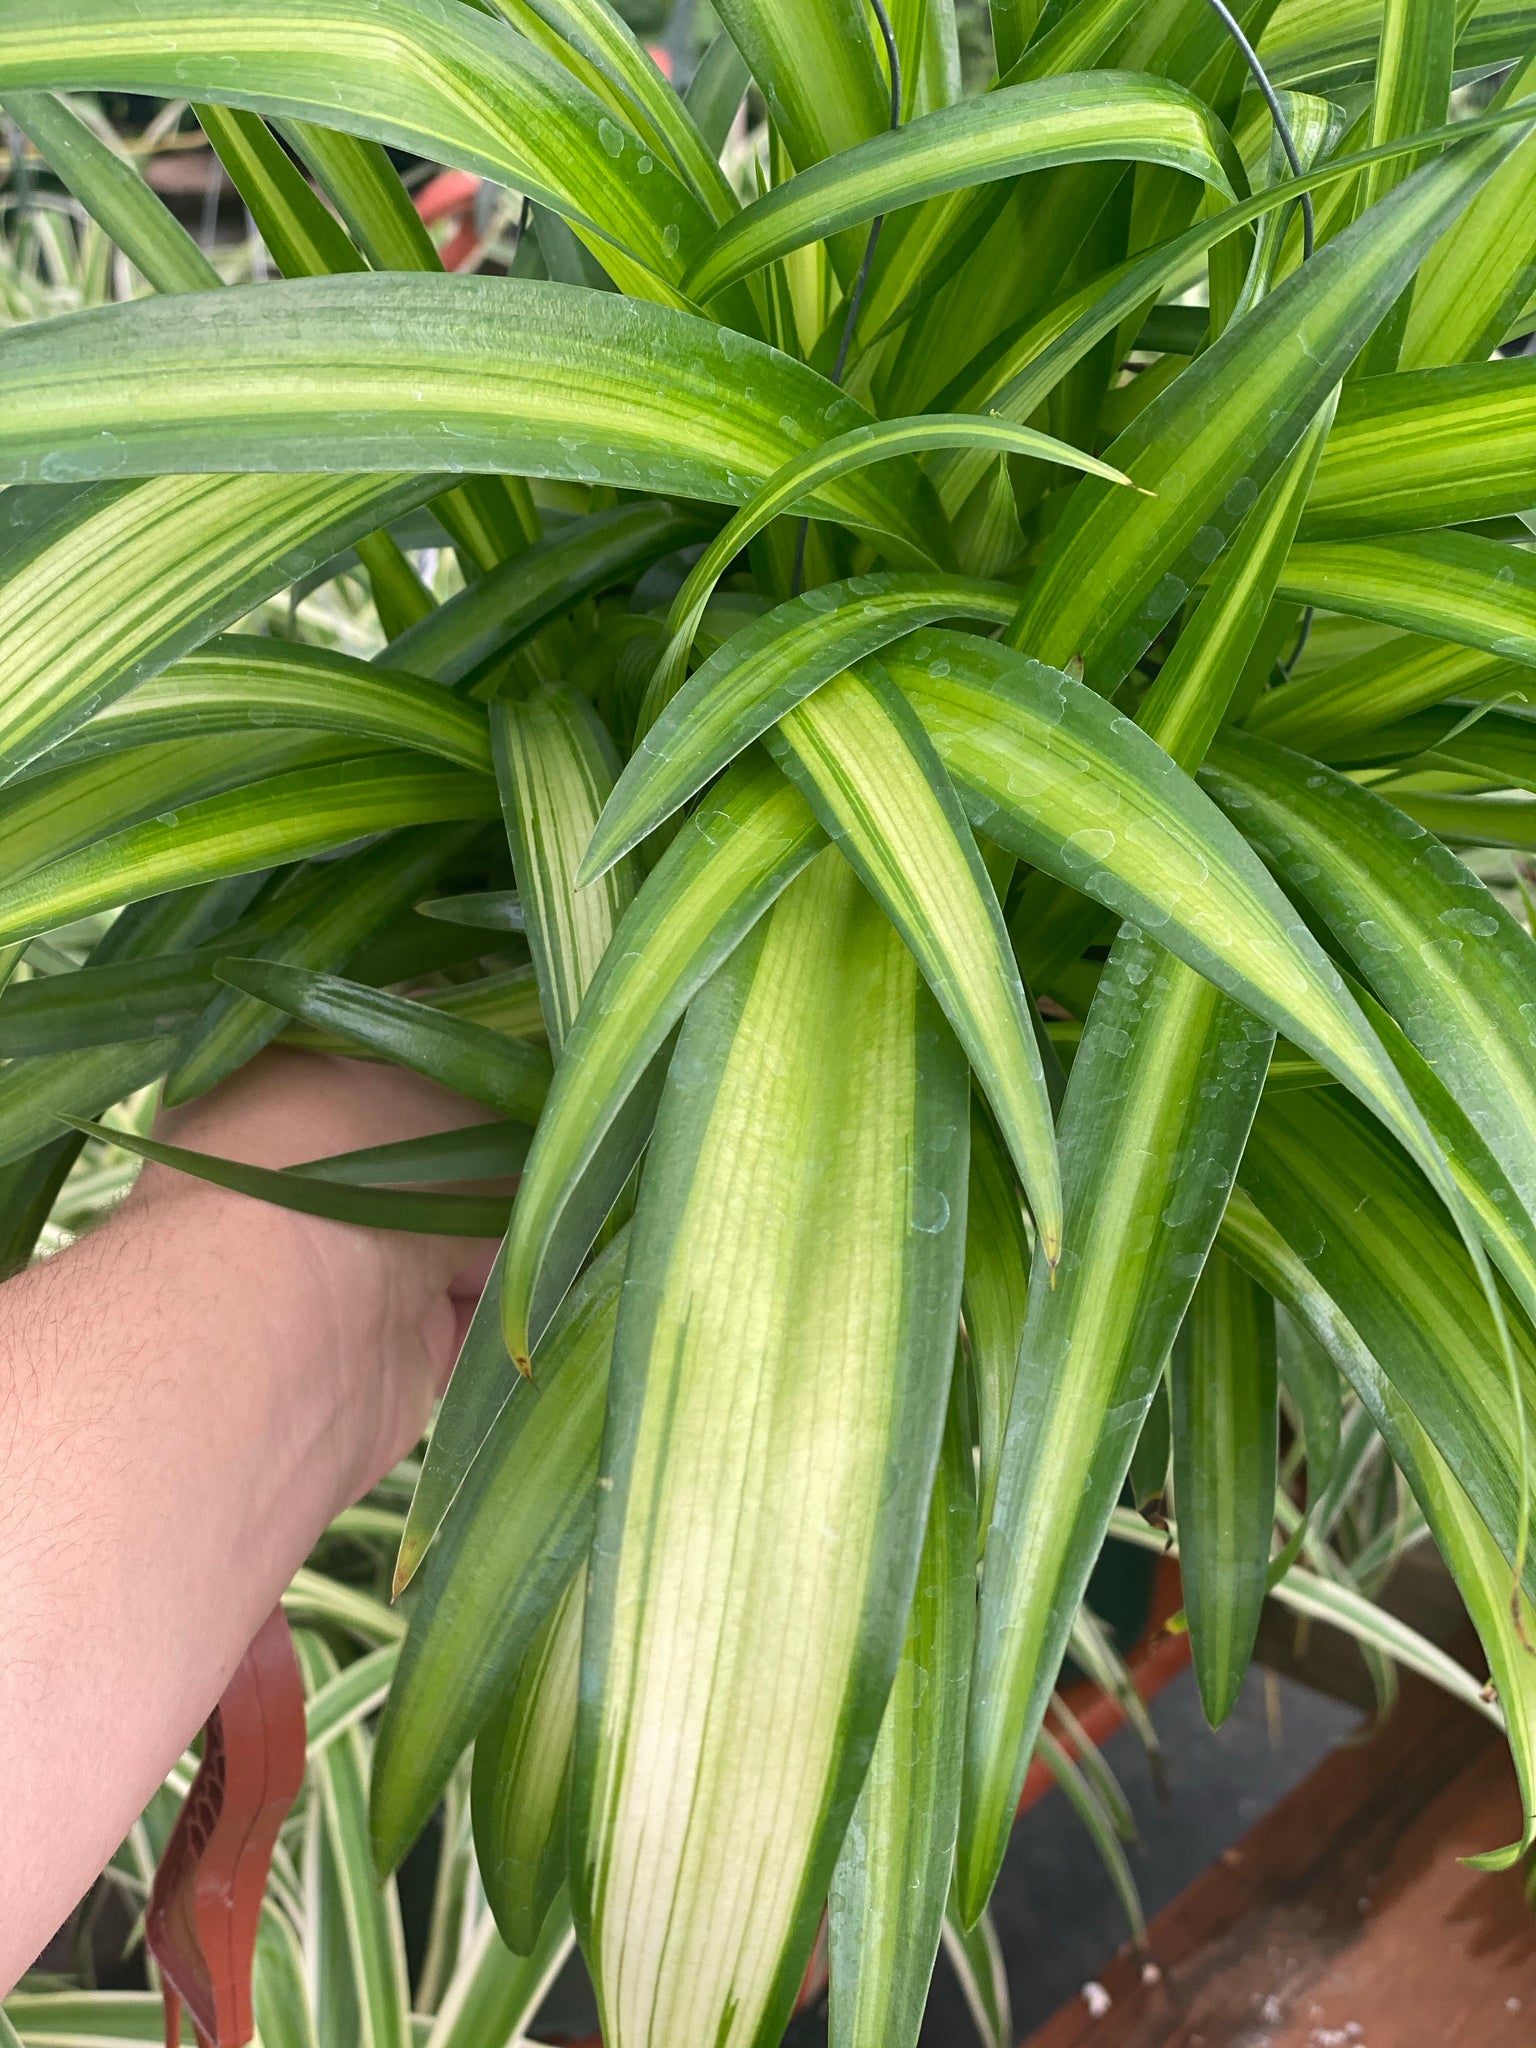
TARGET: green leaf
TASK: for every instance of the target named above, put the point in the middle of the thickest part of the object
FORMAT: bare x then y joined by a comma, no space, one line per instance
739,850
489,1151
518,1530
1475,283
1481,1574
488,910
1361,1219
376,1208
1159,1103
458,373
1118,565
815,64
119,581
112,191
331,910
434,80
995,1298
589,33
521,1784
1094,117
286,817
241,684
556,764
52,813
1448,960
1194,687
1035,754
1147,1475
82,2019
860,757
504,609
303,236
1455,586
279,1991
1225,1386
1426,448
759,673
507,1074
885,1912
1324,712
813,1061
341,1702
483,1383
855,450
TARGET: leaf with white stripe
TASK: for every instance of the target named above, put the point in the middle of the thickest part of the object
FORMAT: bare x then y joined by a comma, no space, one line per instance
780,1377
744,844
556,765
860,756
1159,1103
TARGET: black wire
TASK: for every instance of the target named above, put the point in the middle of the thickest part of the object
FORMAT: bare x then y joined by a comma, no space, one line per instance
856,296
1234,29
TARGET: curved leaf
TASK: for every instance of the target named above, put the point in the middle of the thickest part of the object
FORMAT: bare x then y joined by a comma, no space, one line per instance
1426,448
329,912
748,684
1448,960
1225,1386
112,191
555,764
1088,118
1036,758
1118,565
374,1208
118,582
885,1912
428,372
995,1297
1375,1239
797,479
815,64
52,813
507,606
1159,1103
243,684
521,1785
1323,712
1455,586
507,1074
287,817
1481,1575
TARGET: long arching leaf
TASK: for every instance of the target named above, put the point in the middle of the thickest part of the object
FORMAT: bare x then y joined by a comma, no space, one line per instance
455,373
1084,119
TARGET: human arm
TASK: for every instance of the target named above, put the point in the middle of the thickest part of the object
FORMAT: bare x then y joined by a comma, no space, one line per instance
187,1397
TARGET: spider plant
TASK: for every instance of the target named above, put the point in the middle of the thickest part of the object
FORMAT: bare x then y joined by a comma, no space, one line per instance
1024,581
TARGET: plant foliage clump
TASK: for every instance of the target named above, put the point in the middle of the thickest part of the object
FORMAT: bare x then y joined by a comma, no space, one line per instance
949,746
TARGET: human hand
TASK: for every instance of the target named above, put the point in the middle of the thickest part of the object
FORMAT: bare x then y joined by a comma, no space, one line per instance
394,1306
